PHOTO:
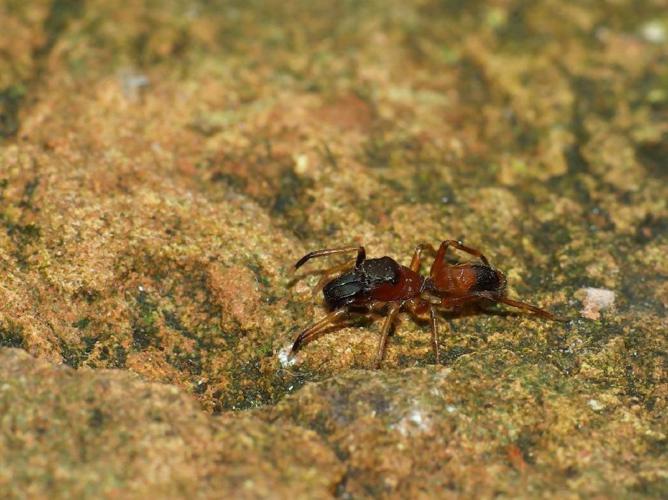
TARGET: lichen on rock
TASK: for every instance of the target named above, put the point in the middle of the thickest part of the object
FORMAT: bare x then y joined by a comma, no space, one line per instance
163,167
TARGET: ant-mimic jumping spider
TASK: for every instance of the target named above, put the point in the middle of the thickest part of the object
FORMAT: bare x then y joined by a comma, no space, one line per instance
362,285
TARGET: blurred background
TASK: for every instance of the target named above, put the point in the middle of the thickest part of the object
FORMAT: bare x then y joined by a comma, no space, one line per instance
164,164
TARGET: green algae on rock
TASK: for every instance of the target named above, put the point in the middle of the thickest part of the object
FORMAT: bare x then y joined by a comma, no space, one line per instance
491,423
92,433
162,168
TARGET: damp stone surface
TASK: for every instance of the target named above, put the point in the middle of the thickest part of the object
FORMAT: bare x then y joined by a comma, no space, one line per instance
164,165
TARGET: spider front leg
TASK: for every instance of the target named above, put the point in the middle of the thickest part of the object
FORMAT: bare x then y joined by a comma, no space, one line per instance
361,255
328,274
317,329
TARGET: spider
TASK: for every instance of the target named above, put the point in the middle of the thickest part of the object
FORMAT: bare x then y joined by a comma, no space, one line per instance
362,285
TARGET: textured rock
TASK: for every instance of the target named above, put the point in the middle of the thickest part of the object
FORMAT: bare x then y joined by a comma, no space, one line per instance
66,433
162,168
489,424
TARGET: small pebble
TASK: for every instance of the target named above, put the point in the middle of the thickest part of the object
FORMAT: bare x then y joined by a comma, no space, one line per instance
301,164
594,301
654,32
595,405
284,356
132,84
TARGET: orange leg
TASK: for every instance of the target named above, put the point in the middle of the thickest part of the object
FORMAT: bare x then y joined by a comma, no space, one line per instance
391,316
528,307
418,307
417,256
317,329
434,333
442,250
455,302
520,305
361,255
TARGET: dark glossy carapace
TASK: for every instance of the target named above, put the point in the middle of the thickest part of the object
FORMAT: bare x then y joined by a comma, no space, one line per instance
381,280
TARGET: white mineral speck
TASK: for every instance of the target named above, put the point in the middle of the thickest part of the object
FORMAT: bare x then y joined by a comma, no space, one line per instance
132,83
285,358
416,422
595,300
301,164
595,405
416,417
654,32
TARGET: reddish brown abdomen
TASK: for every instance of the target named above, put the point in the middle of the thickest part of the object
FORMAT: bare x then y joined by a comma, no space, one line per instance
455,281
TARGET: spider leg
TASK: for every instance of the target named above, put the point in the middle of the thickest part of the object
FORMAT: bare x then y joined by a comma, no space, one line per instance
459,301
440,255
418,307
434,333
426,246
521,305
455,302
528,307
391,316
417,255
317,329
361,254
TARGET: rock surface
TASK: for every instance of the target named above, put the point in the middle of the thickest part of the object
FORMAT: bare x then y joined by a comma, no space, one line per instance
70,434
163,166
519,429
